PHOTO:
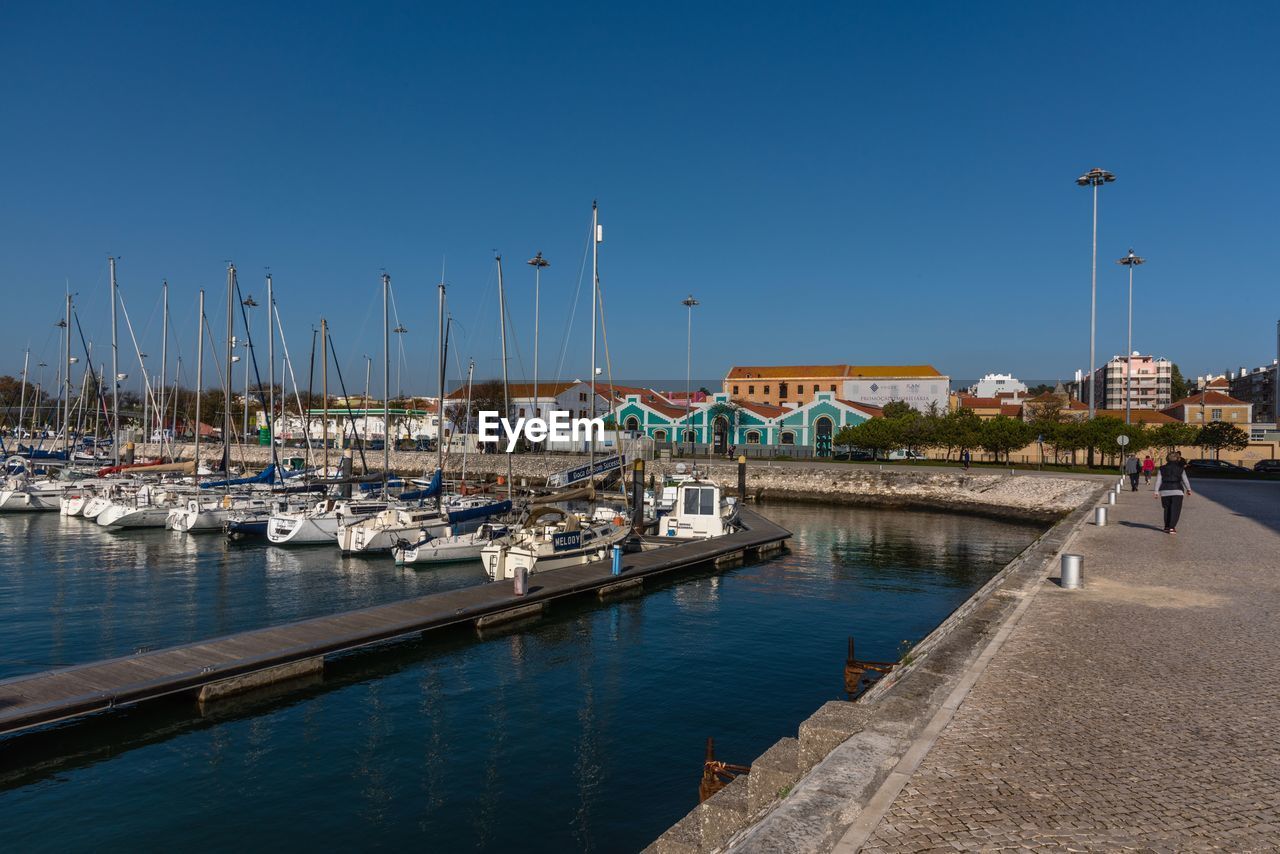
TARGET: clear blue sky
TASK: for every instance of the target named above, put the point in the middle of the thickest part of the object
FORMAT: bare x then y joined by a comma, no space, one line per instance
872,183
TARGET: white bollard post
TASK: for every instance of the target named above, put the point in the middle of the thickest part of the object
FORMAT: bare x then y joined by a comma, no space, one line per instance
1111,498
1071,573
1100,516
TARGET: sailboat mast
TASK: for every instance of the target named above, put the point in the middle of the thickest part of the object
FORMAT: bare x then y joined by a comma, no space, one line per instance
502,328
22,405
440,404
226,387
386,383
271,376
466,431
199,379
164,361
324,390
595,288
66,385
115,371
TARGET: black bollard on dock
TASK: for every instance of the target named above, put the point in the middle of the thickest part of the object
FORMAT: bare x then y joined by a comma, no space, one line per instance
637,498
742,478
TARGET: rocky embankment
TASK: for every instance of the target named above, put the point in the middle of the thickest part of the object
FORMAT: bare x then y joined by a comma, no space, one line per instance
1040,498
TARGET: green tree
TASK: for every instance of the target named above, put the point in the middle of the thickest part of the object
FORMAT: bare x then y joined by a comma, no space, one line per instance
1166,437
878,435
1218,436
1178,385
898,409
1003,435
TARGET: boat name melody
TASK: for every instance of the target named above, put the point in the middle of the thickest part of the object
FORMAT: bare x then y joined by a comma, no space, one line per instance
560,427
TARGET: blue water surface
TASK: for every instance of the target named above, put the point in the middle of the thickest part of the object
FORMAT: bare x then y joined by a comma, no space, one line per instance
583,732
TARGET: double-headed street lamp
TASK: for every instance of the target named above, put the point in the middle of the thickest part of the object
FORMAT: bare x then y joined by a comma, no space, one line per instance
538,263
688,302
1129,261
1094,178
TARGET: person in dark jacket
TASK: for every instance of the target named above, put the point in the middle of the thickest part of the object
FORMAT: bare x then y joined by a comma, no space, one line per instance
1171,486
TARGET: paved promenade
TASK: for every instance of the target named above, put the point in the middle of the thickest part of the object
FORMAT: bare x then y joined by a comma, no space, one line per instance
1140,713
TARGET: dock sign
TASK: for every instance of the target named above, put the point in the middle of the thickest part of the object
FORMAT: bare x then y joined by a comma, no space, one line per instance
573,475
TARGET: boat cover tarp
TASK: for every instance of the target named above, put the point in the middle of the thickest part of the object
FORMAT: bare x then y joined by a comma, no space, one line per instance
267,475
465,514
429,492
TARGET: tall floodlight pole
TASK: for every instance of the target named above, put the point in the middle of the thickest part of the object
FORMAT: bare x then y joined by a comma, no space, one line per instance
115,371
538,263
1129,261
400,330
688,302
1094,178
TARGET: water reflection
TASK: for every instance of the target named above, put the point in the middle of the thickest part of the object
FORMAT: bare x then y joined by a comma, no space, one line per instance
583,732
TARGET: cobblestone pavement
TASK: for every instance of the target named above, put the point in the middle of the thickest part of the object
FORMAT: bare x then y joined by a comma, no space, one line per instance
1140,713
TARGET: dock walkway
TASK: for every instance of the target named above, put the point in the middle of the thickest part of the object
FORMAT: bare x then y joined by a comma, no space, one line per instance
70,692
1137,713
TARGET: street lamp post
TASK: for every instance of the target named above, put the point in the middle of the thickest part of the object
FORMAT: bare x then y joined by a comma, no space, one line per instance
1129,261
538,263
688,302
1094,178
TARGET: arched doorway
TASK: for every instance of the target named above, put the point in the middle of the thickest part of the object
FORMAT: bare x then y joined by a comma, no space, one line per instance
720,434
822,437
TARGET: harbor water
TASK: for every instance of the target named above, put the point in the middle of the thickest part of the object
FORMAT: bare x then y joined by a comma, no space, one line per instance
583,732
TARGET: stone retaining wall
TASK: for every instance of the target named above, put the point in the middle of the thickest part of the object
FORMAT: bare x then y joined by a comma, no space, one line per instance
1040,498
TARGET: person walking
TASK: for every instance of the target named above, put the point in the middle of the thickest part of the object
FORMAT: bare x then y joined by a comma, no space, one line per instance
1148,466
1171,486
964,457
1132,468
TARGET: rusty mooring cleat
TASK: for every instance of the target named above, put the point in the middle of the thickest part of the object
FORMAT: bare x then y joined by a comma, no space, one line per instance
716,775
856,680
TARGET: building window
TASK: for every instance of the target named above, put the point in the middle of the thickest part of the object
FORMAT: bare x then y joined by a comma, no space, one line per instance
766,389
833,386
1216,414
522,412
782,391
788,438
751,390
633,423
735,389
582,395
753,437
800,390
689,436
659,435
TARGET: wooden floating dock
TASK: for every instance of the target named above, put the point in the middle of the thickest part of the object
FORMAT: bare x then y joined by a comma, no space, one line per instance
248,660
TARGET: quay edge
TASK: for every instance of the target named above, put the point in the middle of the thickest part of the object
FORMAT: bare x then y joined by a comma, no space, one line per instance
813,787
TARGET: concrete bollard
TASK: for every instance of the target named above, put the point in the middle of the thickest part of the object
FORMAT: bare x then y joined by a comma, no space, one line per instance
520,583
1071,574
617,560
1111,498
1100,516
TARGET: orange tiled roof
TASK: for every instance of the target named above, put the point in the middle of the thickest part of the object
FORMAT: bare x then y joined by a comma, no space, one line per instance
1011,410
764,410
873,411
969,402
521,390
1138,416
784,372
1211,398
768,372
